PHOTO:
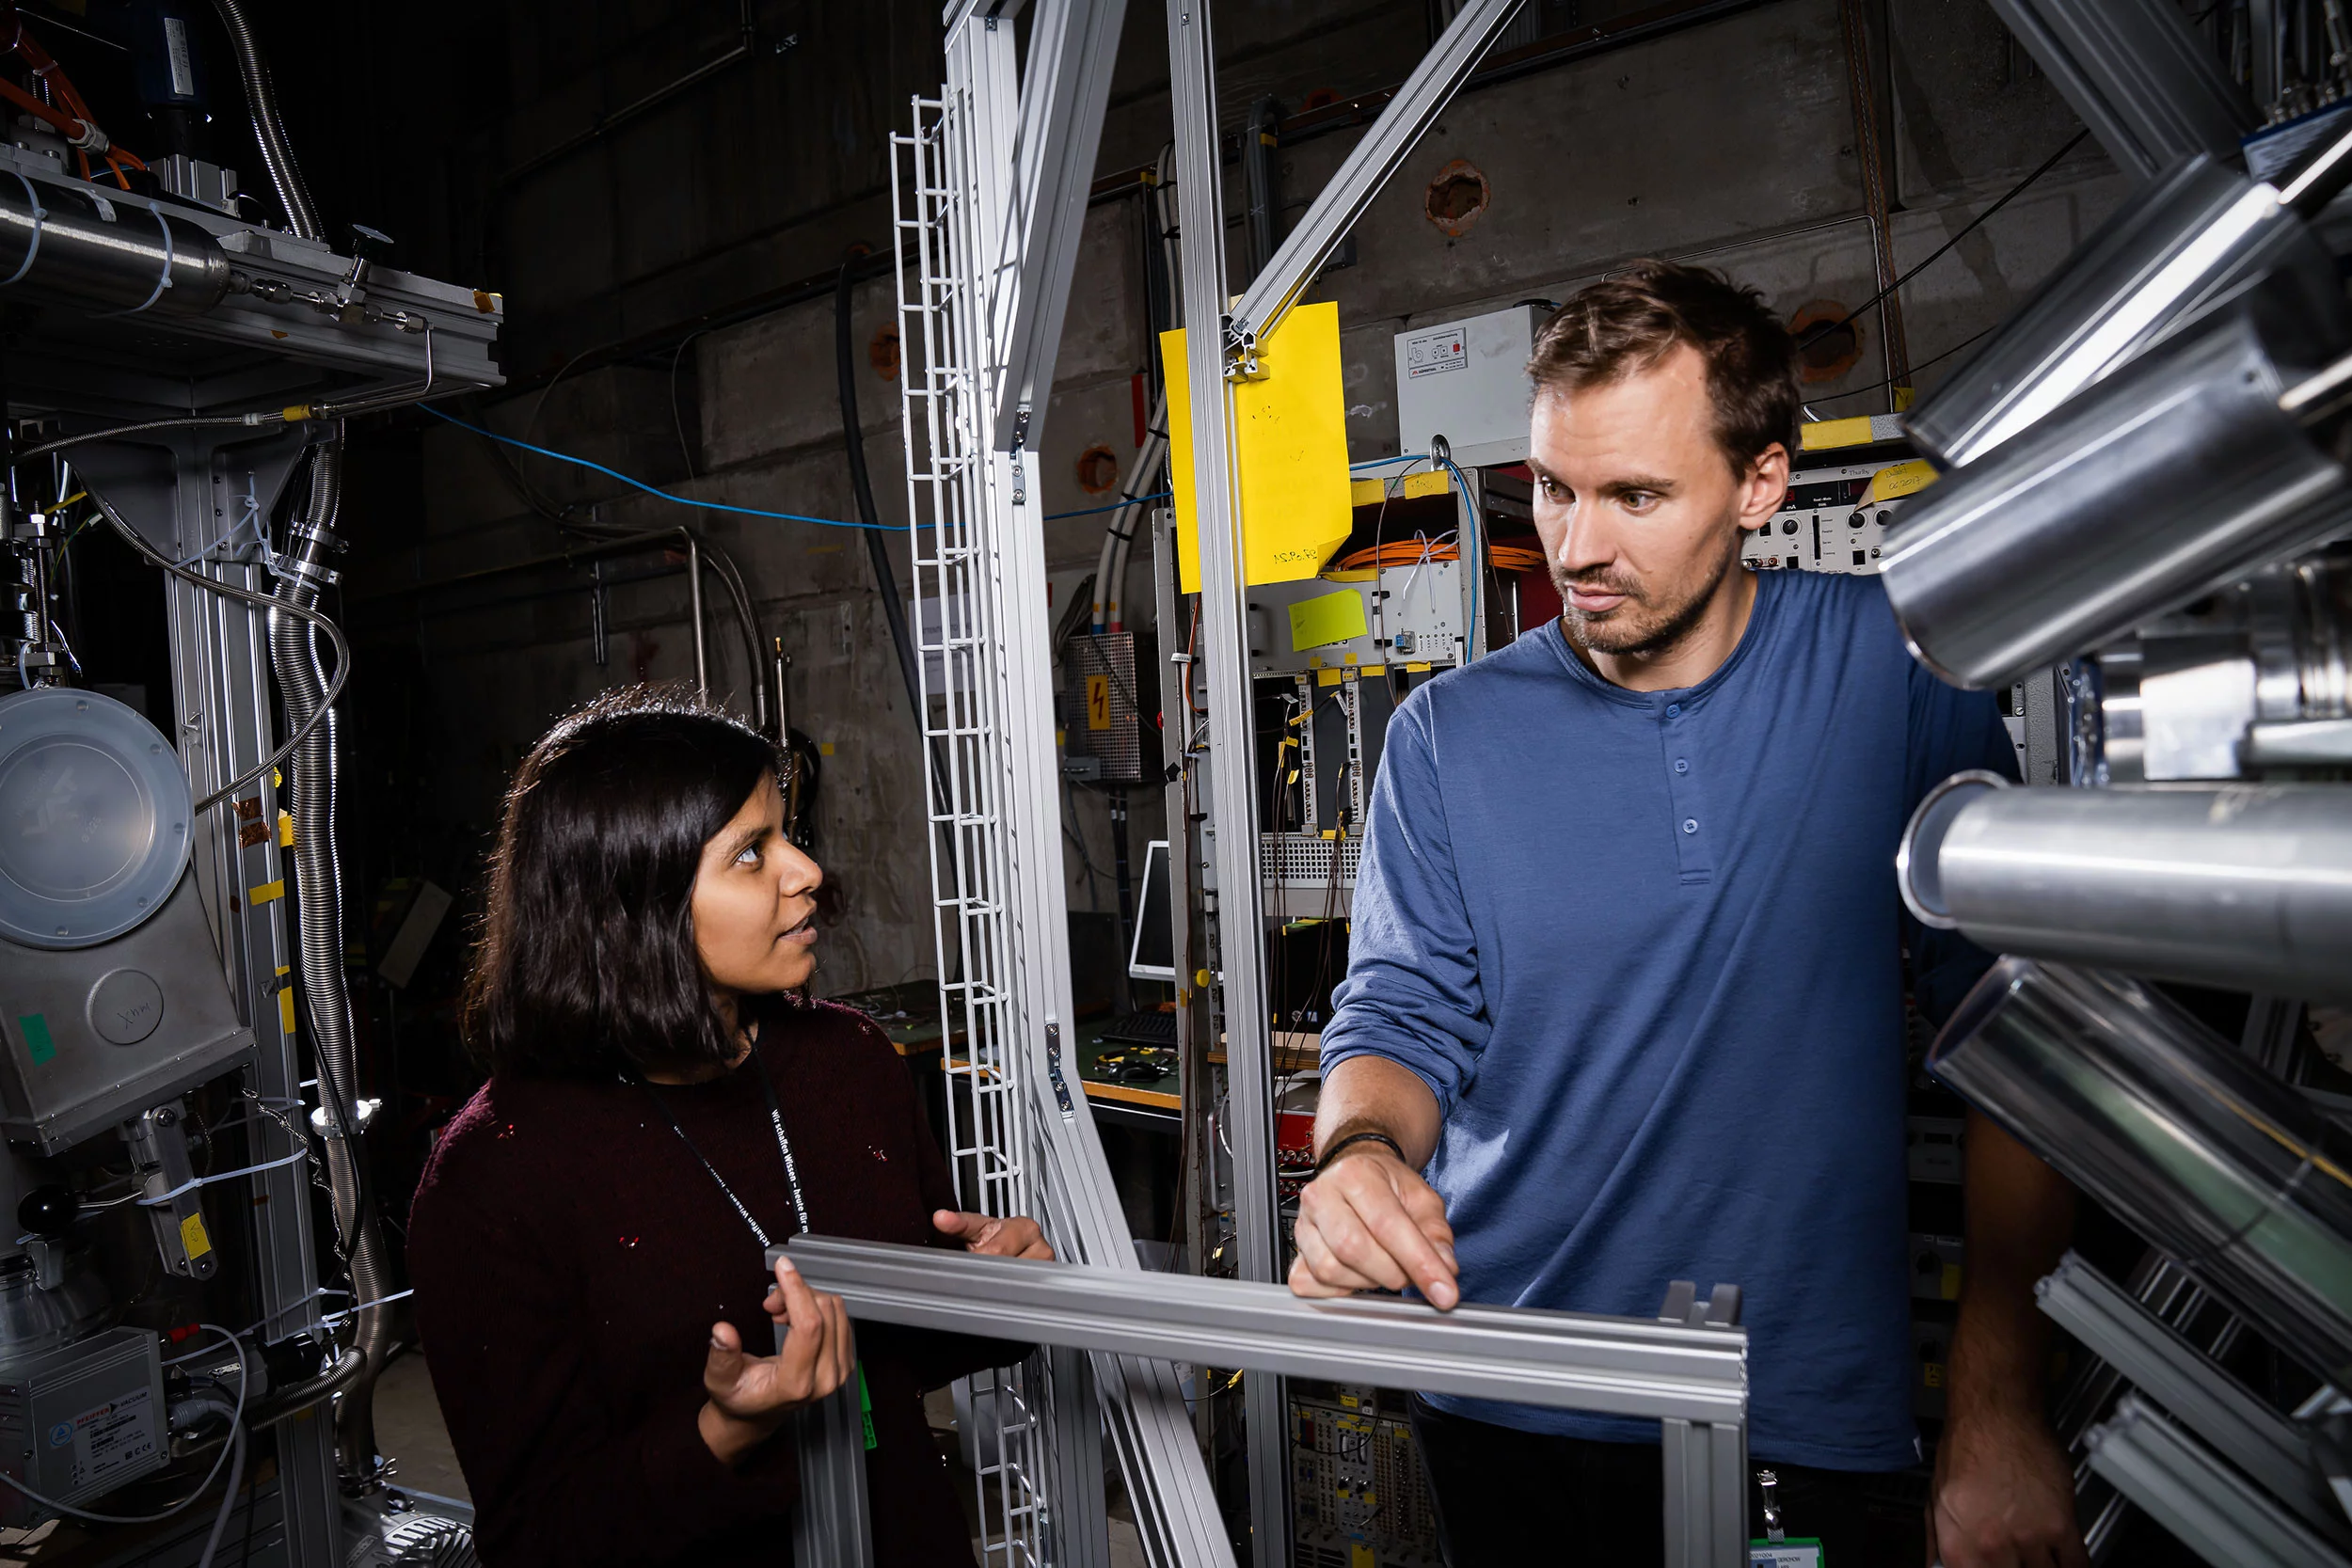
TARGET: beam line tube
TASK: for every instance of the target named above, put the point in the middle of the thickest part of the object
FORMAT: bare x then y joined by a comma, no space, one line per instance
1567,1360
1368,166
2232,1173
2243,887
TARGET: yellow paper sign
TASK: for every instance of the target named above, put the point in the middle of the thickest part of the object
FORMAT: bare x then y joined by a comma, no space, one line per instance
1903,479
1325,619
193,1238
1290,449
1098,701
1823,434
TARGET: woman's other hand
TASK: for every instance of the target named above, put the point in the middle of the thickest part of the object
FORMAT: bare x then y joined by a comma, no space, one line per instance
751,1395
1018,1237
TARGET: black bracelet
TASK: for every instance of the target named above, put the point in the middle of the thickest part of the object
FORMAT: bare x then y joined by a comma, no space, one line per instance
1354,1138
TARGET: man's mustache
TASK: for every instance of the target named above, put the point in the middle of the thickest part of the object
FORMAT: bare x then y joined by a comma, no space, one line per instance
1602,584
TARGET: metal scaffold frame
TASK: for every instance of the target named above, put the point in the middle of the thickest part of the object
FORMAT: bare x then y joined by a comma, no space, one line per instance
989,191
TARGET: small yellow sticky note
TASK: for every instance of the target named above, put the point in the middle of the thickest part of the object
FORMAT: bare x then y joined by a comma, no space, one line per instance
285,830
1360,1556
1329,677
1411,486
1327,618
1823,434
192,1236
1951,1282
824,748
267,892
1902,479
1098,701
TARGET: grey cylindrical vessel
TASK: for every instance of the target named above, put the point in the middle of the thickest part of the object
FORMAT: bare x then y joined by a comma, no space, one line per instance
2175,476
2236,1175
2196,236
2247,887
57,245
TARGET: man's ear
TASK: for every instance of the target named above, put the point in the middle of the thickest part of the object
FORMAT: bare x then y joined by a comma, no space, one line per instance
1765,487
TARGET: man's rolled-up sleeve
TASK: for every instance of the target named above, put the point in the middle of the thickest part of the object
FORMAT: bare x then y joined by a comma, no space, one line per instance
1411,994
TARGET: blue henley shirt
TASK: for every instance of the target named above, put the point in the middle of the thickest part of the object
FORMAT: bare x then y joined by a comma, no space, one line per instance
1643,948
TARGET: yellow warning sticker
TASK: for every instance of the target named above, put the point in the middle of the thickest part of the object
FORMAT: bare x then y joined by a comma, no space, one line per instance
1098,701
192,1236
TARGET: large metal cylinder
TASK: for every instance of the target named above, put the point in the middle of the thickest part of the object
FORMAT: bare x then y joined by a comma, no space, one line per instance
59,245
2174,476
2237,1177
2195,237
2246,887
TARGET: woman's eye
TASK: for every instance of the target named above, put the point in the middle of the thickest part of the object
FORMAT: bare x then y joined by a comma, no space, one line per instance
749,857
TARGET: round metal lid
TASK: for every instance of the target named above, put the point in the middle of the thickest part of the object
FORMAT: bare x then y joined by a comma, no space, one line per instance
95,818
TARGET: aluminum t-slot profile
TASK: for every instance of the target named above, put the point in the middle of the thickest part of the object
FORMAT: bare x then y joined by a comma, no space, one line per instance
2191,1491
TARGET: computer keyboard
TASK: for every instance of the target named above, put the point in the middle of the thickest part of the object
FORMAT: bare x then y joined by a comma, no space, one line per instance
1141,1029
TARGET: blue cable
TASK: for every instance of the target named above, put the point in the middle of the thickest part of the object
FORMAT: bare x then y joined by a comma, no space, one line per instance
652,490
1473,537
1091,511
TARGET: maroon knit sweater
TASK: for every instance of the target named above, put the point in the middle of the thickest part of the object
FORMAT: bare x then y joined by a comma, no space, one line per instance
570,1255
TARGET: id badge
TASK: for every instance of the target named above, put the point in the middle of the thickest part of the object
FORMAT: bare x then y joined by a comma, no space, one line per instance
1803,1552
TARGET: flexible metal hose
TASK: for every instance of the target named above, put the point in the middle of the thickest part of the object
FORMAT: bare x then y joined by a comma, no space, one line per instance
260,99
294,656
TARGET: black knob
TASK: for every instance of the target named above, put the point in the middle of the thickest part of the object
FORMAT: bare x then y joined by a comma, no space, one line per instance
49,1212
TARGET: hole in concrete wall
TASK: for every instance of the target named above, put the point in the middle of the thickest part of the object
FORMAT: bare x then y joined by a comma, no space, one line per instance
1098,470
1828,345
1456,198
882,352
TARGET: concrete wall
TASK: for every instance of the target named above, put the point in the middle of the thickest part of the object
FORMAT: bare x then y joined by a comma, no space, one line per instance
1731,143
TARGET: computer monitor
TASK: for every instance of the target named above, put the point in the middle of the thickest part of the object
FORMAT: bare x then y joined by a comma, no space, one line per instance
1154,955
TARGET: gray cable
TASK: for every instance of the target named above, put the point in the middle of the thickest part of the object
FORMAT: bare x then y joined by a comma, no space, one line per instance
261,601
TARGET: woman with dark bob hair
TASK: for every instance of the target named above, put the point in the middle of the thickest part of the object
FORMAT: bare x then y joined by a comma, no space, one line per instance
588,1243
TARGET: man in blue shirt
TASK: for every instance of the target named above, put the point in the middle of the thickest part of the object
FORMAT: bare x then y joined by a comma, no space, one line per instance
1625,996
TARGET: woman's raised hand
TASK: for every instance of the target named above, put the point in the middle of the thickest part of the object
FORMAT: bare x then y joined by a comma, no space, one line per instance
1017,1237
751,1395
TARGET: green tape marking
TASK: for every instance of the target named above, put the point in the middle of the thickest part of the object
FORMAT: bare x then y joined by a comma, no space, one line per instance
865,1407
37,1045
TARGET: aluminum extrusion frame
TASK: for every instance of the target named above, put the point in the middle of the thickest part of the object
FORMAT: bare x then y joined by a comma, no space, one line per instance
2154,1356
2181,1484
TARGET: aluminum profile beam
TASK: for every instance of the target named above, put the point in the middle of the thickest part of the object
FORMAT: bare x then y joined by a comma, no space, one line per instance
1640,1367
1367,169
833,1524
1066,85
2154,1358
2147,85
1239,932
2187,1488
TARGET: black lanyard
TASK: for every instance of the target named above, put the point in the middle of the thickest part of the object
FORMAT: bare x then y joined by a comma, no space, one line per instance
784,1147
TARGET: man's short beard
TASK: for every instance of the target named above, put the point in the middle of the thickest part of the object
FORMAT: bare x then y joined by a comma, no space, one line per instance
1639,636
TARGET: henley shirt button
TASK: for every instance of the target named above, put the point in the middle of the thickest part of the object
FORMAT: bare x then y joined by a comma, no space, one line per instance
1689,824
1682,765
1674,710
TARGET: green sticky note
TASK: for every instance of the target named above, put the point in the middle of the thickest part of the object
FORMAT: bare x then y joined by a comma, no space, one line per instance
1325,619
37,1045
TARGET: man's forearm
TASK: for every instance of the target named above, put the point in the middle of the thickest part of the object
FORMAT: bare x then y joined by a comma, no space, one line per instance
1371,1094
2020,1215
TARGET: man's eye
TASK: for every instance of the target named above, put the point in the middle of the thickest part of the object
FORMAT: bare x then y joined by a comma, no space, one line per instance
1640,500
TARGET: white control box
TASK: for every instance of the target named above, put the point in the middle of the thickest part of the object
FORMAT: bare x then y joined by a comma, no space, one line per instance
1467,381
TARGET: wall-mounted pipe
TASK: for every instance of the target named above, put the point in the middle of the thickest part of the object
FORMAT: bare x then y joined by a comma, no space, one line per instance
2246,887
2234,1174
2172,478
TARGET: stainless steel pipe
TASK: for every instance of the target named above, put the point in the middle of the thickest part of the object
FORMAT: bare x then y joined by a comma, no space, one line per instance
58,246
2198,236
2236,1175
2247,887
2174,476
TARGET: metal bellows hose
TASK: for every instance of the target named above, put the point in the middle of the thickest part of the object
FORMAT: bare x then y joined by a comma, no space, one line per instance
294,656
260,100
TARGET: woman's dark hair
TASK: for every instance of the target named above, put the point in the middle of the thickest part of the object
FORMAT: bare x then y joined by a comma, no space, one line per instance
586,965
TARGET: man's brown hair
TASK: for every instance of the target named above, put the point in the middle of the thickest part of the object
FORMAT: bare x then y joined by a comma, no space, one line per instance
1628,322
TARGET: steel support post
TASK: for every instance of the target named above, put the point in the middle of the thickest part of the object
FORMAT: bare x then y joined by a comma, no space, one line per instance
2164,1366
1080,1524
2138,74
2188,1490
1359,176
179,499
1248,1042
